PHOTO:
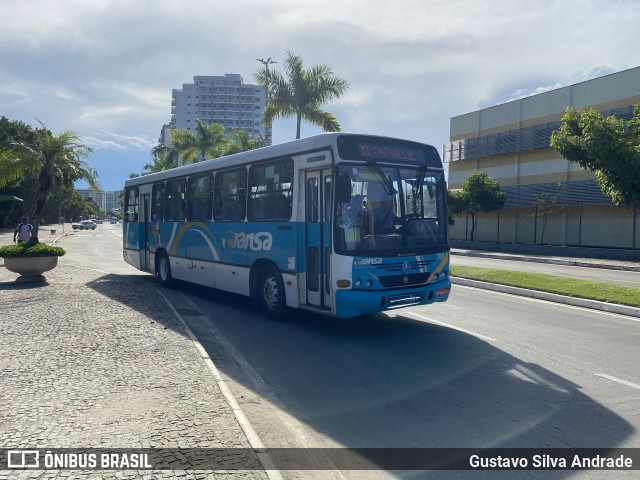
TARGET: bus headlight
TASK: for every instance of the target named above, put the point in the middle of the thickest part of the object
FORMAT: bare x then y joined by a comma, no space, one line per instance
369,283
358,282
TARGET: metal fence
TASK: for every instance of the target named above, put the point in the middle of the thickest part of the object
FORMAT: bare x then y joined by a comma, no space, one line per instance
512,141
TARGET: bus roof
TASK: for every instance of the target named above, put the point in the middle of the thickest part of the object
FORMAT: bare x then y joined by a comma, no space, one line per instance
295,147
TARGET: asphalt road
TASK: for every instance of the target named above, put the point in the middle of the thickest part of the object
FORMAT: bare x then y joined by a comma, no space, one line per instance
482,370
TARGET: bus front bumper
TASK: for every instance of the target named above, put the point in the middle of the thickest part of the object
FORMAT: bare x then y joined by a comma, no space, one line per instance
351,303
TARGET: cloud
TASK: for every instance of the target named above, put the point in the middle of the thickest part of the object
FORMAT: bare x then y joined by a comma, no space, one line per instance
100,144
105,69
138,141
115,141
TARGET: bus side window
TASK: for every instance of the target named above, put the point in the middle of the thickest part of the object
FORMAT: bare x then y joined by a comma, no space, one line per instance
199,198
284,207
327,198
175,201
230,195
131,204
271,186
313,200
157,207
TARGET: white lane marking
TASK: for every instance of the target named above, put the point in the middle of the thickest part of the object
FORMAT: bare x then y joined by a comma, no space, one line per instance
448,325
557,304
618,380
292,425
241,418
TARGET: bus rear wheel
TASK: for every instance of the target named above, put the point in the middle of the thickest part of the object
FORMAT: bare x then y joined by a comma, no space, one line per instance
270,293
164,271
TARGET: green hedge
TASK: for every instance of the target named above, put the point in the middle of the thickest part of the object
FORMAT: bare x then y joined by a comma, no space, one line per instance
26,249
603,292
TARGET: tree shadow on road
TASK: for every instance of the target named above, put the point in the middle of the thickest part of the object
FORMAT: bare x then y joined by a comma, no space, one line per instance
379,382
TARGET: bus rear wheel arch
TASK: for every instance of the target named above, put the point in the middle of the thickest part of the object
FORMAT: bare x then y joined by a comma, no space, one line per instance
163,268
268,293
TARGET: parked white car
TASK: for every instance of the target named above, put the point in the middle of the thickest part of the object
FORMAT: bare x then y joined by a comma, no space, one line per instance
84,225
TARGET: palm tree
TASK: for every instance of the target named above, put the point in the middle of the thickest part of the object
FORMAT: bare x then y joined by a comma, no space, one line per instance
301,94
209,141
242,141
55,160
164,157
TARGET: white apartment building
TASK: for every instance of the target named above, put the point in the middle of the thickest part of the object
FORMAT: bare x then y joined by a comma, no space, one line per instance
165,135
107,201
226,100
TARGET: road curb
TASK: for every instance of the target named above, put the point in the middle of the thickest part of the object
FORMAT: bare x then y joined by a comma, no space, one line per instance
555,261
550,297
252,436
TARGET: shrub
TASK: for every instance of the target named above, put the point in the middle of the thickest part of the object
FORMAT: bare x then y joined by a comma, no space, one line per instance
27,249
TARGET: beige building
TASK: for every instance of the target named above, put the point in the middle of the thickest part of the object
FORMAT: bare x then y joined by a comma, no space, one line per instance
510,142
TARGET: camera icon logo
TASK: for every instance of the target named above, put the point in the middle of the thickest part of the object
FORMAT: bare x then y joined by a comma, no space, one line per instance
23,459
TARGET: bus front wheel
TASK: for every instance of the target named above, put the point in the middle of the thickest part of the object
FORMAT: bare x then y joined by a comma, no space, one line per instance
270,292
164,271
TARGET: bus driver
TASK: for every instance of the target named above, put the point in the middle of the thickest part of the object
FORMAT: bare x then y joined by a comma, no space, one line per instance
382,214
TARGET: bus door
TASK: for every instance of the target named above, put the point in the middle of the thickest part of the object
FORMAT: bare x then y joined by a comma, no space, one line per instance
143,226
318,238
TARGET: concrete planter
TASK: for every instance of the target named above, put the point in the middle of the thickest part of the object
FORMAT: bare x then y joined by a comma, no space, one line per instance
30,268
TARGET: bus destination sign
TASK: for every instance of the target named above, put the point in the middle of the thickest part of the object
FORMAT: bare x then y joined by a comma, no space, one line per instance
385,152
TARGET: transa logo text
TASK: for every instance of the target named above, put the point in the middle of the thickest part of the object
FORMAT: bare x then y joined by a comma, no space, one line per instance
252,241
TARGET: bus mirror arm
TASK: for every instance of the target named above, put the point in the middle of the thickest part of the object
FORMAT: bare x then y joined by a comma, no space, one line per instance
343,189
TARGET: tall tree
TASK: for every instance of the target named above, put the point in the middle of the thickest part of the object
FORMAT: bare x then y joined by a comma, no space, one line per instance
301,93
242,141
163,157
55,160
24,188
209,141
604,146
479,194
546,208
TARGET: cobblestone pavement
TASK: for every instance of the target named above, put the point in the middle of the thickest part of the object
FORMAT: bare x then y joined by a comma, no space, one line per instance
89,360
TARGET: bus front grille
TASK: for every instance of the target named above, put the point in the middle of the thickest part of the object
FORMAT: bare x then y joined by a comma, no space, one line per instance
392,281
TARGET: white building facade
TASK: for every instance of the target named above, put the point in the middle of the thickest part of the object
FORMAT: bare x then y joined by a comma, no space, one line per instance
225,99
511,143
107,201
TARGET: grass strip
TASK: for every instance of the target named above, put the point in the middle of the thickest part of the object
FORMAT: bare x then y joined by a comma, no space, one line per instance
603,292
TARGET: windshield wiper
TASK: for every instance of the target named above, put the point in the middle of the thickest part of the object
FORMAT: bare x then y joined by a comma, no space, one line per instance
386,182
420,179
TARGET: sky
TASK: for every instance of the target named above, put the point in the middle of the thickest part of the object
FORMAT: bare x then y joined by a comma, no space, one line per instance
104,69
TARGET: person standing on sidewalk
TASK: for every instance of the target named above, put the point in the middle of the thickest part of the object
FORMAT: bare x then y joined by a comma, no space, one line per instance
22,231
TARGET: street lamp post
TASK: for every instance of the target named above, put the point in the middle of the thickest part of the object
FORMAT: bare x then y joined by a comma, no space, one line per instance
266,64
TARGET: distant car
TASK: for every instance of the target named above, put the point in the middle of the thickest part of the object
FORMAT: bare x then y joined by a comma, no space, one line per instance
84,225
97,221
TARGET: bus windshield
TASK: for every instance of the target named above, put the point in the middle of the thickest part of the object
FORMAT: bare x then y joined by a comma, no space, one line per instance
391,210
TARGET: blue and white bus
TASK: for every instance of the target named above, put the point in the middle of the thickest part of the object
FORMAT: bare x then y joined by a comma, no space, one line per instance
340,224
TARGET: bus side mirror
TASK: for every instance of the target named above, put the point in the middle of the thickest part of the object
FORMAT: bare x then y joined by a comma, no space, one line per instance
343,189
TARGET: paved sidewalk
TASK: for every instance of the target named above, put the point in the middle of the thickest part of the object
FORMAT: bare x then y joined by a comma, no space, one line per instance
98,360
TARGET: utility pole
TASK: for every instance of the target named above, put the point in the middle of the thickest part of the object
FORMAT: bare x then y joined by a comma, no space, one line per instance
266,64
